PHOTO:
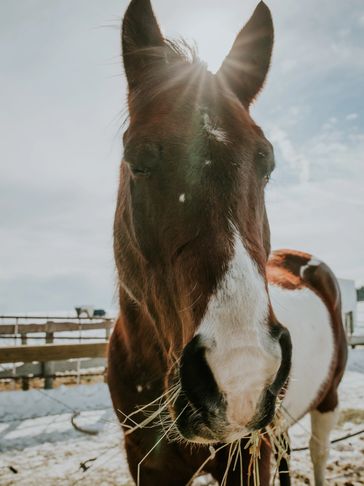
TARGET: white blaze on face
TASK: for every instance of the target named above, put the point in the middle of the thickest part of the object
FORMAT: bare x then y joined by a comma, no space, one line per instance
214,131
242,356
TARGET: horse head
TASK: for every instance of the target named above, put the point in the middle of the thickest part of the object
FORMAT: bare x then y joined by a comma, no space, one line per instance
191,230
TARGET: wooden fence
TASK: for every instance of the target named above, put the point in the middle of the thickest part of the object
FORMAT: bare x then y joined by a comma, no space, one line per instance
52,359
51,352
46,360
51,326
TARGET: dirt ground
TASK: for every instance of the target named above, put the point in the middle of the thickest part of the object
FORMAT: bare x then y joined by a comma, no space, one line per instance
100,461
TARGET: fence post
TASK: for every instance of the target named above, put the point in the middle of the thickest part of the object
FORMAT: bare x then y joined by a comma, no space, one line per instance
25,379
48,367
15,336
25,383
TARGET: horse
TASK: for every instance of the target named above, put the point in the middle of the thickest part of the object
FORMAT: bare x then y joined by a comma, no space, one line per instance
220,344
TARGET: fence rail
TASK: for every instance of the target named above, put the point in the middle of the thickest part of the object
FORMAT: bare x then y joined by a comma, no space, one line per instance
48,360
73,368
49,326
356,341
53,318
51,352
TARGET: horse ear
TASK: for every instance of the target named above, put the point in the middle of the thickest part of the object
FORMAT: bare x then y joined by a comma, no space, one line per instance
140,33
247,64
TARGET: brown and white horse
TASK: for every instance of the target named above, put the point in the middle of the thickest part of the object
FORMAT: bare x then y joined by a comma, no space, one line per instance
209,322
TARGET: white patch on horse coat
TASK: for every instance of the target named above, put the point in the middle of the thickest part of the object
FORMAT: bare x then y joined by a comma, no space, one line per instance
308,321
218,133
321,426
182,198
314,262
240,351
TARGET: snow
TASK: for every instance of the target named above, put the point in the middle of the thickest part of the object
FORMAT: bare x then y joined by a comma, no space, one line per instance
346,463
23,405
39,445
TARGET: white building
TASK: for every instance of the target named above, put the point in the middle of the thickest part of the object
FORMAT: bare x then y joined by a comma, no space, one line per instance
349,304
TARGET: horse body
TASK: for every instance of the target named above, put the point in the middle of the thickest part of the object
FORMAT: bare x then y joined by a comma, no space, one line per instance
212,332
306,297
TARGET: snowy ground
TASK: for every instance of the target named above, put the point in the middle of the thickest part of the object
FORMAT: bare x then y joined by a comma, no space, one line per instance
39,446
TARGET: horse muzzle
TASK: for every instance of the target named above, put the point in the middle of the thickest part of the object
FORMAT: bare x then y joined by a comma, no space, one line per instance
201,410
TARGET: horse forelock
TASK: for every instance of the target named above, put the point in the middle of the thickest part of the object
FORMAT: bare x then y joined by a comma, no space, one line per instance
168,66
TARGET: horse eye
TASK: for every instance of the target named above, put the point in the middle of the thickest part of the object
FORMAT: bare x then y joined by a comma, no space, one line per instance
142,157
265,164
139,171
263,168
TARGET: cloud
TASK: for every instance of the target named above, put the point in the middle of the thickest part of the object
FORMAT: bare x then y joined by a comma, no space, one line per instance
321,218
352,116
63,98
292,157
322,214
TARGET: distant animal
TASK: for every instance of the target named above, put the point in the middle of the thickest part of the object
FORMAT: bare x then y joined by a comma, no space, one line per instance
88,310
224,337
99,313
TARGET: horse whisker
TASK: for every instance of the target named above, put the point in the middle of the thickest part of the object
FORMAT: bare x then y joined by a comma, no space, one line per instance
232,448
237,455
155,445
151,417
212,456
140,409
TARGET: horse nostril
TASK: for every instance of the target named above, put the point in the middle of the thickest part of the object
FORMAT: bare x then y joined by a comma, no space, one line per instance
197,380
284,339
268,413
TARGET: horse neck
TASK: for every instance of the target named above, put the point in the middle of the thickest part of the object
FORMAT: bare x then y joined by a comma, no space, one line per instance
156,317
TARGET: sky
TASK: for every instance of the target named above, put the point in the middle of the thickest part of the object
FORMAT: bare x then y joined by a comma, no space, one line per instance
62,106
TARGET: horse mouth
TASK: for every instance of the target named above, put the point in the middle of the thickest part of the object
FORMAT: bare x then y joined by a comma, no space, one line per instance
206,427
195,425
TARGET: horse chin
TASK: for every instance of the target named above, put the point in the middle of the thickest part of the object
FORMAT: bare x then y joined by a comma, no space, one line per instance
195,427
204,435
199,439
199,427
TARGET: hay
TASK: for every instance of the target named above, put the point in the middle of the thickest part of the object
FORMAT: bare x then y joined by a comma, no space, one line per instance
274,435
353,415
